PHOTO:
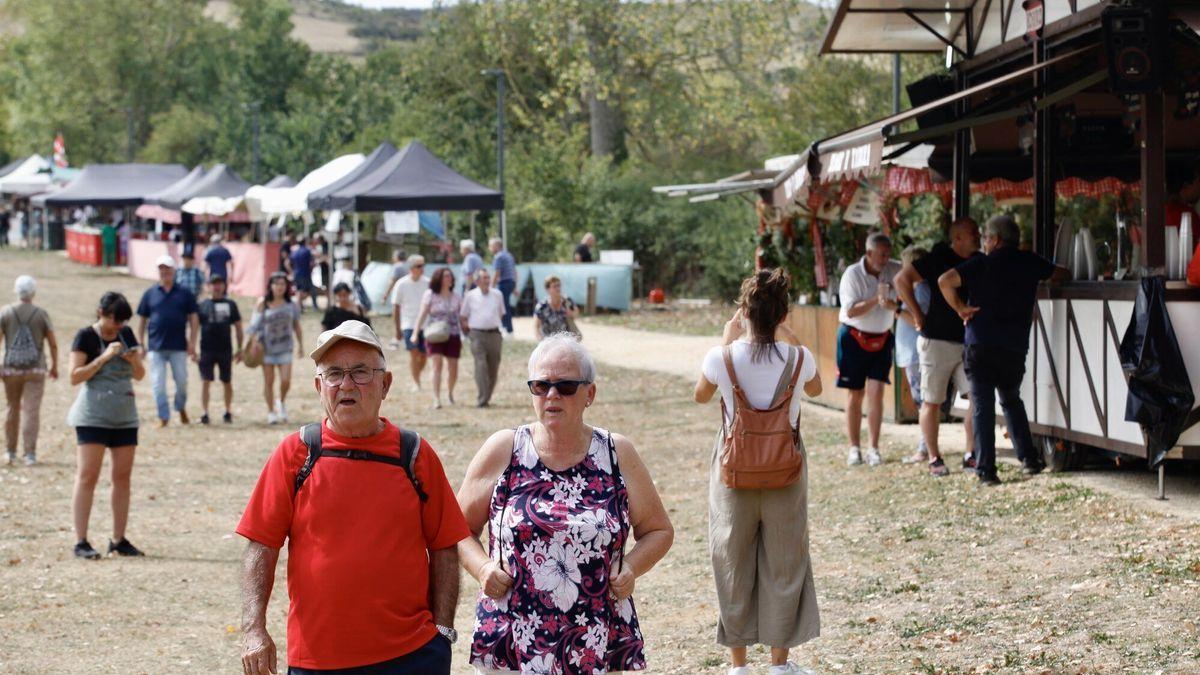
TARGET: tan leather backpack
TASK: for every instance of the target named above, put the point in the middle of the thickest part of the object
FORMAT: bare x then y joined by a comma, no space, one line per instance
761,449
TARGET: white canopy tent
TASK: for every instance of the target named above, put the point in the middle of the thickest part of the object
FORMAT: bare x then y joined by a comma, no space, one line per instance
265,202
30,177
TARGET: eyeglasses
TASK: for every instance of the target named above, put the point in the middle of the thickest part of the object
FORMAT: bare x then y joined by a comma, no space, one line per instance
363,375
564,387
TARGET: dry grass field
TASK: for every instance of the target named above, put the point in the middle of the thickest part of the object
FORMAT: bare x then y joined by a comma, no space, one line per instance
913,574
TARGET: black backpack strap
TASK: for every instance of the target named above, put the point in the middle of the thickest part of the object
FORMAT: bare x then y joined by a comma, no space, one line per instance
310,434
410,447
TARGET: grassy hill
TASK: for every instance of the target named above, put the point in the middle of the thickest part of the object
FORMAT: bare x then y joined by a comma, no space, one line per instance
332,26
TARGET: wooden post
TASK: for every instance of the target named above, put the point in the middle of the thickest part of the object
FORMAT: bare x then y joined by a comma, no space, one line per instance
1154,178
591,295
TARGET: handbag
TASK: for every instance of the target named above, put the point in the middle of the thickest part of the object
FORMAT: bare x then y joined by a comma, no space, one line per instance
437,332
252,354
870,342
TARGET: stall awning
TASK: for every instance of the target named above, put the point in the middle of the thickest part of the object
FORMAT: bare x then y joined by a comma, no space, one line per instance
860,151
414,179
329,197
783,176
968,27
116,184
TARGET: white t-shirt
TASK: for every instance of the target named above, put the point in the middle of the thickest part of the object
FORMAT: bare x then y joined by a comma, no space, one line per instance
408,293
483,312
857,285
757,379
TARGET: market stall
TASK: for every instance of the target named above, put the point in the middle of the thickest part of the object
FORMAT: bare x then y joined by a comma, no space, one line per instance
112,186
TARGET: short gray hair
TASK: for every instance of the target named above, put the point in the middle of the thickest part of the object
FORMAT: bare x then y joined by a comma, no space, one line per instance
467,244
495,240
480,272
25,287
566,342
1003,227
877,239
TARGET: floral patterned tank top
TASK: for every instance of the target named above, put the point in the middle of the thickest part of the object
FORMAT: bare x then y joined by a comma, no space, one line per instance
558,533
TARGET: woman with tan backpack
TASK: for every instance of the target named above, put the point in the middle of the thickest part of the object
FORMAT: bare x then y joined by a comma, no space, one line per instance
758,488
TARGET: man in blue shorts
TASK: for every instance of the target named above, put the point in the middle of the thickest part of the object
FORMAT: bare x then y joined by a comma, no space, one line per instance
406,299
301,261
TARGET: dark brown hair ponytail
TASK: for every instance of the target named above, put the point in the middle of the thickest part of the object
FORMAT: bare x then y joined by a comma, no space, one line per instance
764,302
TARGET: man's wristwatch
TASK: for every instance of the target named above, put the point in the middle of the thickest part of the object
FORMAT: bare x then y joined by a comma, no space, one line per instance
448,633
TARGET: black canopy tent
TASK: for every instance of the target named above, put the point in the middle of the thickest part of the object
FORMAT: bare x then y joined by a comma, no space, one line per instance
412,179
163,195
116,184
220,181
325,198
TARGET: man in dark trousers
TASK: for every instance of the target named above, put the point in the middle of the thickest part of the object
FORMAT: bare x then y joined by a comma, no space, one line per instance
940,346
217,351
1001,292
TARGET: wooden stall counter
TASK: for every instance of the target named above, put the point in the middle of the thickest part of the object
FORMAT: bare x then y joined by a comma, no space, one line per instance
817,329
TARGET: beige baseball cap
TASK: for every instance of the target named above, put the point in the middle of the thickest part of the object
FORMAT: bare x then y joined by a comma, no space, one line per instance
348,330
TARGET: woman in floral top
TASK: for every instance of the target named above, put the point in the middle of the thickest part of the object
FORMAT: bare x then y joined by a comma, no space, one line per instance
559,499
553,314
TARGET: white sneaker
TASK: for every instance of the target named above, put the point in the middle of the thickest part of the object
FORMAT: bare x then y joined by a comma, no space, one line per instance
30,460
854,458
740,670
271,418
281,411
12,457
873,457
790,668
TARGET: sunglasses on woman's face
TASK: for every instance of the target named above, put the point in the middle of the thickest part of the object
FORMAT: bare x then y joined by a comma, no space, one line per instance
564,387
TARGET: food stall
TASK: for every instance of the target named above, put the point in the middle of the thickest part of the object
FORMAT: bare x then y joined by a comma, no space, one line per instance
1043,101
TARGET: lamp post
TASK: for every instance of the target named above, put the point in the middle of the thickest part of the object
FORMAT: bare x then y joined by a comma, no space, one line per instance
499,74
254,107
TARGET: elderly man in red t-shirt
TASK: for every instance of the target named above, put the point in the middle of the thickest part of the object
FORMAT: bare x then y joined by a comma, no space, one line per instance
372,564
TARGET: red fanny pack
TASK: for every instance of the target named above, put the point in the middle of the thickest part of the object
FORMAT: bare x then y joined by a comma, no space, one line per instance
870,342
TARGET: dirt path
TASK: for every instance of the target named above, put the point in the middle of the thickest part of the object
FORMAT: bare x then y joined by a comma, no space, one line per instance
912,574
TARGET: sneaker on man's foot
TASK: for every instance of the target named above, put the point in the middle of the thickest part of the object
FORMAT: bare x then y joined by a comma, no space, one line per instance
227,418
85,551
1032,468
989,480
918,457
854,457
968,460
938,468
183,417
739,670
124,548
30,460
162,424
271,418
12,457
873,457
204,418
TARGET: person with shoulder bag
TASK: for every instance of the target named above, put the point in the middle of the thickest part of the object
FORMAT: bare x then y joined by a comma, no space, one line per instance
758,485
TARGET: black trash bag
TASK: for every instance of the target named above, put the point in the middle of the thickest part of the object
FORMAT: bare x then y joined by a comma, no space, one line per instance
1160,393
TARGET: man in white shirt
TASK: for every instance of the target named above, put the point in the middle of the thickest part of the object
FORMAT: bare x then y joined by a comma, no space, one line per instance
406,305
482,314
865,341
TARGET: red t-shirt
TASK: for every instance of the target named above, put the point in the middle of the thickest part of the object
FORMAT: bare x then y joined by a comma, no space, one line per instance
358,536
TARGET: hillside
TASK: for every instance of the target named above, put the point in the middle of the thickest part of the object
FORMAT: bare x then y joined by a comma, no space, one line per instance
333,27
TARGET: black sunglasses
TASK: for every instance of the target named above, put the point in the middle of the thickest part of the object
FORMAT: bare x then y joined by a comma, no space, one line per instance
564,387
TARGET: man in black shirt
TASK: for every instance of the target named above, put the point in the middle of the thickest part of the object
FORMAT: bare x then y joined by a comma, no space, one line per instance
940,346
1001,292
583,252
217,314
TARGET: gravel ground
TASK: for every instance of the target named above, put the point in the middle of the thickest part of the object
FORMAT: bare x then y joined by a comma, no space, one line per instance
913,574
